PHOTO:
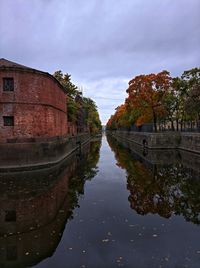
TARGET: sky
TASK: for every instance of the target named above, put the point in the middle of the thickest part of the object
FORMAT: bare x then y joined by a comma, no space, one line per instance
102,43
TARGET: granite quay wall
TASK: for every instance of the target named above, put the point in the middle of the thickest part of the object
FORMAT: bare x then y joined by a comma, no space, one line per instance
156,156
190,141
39,152
166,140
160,157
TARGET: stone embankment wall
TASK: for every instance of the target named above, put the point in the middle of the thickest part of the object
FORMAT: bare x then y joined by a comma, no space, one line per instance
164,140
190,142
39,153
160,157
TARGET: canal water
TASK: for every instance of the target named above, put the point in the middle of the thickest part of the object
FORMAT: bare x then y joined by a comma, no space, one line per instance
105,206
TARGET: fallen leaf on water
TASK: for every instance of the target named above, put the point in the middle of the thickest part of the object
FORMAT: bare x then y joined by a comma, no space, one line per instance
105,240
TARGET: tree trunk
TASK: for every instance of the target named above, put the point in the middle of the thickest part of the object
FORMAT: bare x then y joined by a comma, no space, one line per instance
155,121
177,127
172,125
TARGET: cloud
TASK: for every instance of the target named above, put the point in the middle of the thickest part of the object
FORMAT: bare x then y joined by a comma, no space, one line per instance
101,43
108,93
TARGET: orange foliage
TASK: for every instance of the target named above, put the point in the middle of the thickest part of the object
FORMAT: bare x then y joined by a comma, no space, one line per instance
145,101
146,117
148,90
146,93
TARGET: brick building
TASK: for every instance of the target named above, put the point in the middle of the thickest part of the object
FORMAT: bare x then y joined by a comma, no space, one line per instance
32,104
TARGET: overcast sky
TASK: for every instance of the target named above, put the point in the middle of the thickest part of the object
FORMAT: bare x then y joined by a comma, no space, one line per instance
102,43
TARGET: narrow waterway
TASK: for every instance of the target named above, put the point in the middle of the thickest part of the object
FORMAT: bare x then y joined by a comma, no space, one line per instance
105,207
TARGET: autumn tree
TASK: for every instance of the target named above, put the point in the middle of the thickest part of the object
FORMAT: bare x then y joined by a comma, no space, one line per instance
146,93
158,98
120,119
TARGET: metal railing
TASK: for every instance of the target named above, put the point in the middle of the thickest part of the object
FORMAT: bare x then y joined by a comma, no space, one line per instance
149,127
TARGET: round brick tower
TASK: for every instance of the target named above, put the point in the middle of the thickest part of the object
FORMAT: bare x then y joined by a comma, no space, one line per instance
32,105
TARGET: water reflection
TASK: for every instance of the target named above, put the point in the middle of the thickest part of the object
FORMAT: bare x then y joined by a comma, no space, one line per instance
160,182
35,206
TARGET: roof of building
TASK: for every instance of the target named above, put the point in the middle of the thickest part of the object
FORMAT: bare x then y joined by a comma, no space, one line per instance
10,65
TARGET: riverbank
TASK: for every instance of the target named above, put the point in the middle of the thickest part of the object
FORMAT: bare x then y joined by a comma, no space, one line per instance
32,155
165,140
159,157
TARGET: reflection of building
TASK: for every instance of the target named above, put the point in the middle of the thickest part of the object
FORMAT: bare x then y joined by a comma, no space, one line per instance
34,207
32,104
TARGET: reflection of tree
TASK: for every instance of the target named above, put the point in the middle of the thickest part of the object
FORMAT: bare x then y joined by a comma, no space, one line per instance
159,189
87,169
188,204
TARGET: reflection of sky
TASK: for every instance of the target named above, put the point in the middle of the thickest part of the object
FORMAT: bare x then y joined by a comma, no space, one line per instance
106,232
103,44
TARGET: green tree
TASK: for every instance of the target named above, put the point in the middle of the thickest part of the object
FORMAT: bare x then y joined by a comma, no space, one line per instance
81,111
72,91
65,81
191,82
92,119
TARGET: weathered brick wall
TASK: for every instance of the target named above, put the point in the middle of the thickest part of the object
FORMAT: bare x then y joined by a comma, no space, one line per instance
32,121
37,103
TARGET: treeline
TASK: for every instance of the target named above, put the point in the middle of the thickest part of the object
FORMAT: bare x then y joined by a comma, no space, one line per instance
82,112
160,100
